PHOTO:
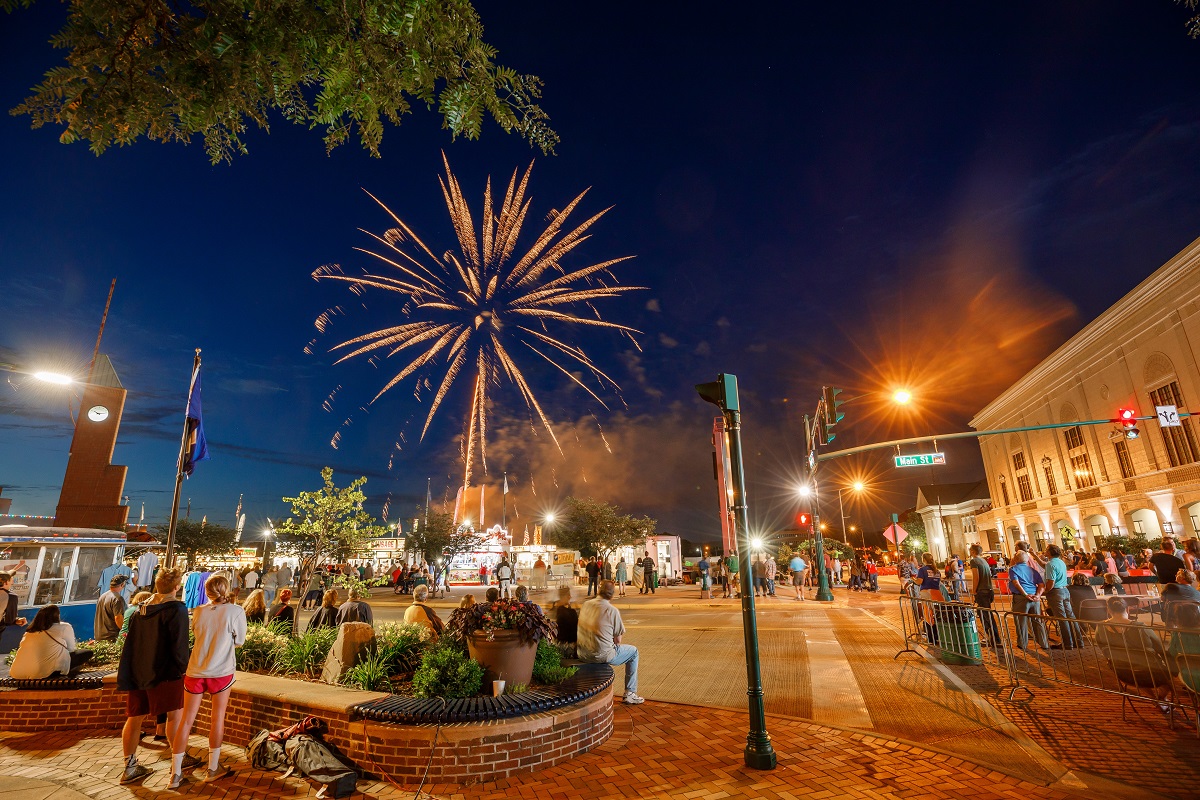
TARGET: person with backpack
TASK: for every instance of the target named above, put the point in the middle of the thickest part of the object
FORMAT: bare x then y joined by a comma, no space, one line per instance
220,628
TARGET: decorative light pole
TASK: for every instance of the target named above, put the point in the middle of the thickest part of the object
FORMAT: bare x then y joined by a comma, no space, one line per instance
722,393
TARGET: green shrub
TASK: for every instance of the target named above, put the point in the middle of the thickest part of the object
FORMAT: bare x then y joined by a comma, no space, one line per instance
400,645
103,652
261,650
556,675
306,654
372,674
447,672
547,666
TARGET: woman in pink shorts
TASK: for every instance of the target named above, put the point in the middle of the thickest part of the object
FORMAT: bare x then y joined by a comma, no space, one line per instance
219,627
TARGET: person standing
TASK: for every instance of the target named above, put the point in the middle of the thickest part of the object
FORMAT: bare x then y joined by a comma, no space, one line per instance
1058,596
599,639
758,575
798,566
483,575
984,592
1167,562
772,569
9,603
647,565
283,577
539,573
270,584
1027,590
705,578
622,576
593,576
153,662
250,579
837,571
110,610
220,628
504,576
731,570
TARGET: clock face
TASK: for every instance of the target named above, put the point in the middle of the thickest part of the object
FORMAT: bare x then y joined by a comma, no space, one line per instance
97,413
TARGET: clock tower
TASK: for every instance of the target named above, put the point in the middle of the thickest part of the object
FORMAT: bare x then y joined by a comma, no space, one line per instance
92,488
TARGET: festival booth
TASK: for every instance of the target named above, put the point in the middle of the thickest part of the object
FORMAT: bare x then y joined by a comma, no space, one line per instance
464,567
667,552
525,556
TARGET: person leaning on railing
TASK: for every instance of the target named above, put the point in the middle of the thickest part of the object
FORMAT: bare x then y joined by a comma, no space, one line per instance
1027,588
1058,596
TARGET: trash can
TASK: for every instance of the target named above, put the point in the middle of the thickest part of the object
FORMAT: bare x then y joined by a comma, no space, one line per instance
957,637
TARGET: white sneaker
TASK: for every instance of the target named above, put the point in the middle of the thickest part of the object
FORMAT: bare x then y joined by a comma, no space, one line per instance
177,780
632,699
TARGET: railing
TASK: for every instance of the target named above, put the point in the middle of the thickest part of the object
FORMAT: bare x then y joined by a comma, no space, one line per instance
1150,663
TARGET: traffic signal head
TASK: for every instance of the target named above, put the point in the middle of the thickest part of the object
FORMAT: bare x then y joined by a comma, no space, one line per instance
832,416
1128,419
722,392
804,520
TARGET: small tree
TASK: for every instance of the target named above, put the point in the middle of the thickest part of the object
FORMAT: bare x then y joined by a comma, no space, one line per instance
327,522
198,539
595,528
441,538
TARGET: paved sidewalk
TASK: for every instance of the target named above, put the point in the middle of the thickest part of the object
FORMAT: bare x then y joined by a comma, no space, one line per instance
658,750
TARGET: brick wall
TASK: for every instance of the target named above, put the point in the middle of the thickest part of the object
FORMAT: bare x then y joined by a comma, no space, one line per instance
464,753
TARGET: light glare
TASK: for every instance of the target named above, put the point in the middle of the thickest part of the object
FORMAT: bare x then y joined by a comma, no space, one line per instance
54,377
902,397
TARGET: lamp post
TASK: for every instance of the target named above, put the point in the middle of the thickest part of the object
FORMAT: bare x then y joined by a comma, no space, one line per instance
723,393
859,487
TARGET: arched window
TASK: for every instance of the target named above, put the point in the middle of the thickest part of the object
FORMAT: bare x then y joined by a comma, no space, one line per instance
1162,383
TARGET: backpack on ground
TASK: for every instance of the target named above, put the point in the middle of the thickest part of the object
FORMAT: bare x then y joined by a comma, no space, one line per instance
298,748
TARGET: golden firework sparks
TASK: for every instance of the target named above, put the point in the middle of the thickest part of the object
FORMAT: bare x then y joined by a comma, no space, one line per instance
483,307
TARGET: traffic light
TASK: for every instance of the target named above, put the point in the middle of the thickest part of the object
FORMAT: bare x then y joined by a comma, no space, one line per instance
1128,419
804,521
832,415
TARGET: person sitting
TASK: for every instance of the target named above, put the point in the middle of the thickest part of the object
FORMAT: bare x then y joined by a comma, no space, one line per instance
566,618
255,607
467,601
1182,591
47,648
1080,589
1135,652
282,615
1112,584
492,595
1185,646
420,614
599,639
356,609
326,616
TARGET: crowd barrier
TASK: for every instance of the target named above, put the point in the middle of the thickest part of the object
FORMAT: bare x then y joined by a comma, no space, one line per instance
1140,662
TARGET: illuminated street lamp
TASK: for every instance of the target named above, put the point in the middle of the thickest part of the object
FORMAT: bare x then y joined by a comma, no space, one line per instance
857,486
54,377
902,397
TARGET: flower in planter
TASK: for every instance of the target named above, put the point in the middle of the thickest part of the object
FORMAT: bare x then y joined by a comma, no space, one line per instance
526,619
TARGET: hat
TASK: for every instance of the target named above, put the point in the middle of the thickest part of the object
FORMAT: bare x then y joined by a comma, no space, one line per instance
117,580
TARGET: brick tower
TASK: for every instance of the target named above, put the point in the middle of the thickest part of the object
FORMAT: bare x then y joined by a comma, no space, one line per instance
92,487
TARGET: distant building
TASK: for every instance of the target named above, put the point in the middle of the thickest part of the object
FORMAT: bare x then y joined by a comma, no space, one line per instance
93,485
5,504
948,512
1070,485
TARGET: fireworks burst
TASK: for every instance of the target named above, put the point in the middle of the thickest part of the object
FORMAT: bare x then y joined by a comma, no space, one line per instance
479,310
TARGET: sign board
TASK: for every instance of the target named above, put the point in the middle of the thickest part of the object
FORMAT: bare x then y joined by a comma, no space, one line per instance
247,552
895,534
383,544
1168,416
921,460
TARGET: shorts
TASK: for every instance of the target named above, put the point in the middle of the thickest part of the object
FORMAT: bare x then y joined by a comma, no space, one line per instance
798,578
206,685
160,699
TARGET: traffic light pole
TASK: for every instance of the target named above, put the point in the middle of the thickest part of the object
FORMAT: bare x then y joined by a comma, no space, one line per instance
759,754
824,590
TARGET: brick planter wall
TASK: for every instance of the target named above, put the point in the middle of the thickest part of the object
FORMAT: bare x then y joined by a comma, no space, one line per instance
464,752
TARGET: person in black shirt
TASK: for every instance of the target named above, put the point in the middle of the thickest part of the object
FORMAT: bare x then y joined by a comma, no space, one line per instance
282,615
593,575
566,618
1167,563
8,605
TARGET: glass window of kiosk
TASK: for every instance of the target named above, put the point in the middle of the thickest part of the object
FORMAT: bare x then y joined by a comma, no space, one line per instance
92,563
19,562
56,568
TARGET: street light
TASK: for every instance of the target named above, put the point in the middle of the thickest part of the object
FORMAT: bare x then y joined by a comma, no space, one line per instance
857,486
54,377
804,490
902,397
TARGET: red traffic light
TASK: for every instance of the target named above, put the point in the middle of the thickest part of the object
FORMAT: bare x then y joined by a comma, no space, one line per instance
803,519
1127,416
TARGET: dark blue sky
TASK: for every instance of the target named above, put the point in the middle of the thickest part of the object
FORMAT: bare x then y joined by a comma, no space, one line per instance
935,194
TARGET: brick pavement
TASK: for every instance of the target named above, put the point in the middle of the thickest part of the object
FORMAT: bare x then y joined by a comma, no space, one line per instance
658,750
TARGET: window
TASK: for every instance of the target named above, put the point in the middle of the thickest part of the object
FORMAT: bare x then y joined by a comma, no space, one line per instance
1123,459
1180,442
1082,466
1024,489
20,563
1004,489
1074,437
1051,486
52,584
1139,527
1097,531
92,563
1018,461
1195,523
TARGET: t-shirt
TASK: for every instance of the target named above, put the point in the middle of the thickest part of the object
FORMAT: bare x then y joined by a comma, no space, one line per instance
251,579
1026,576
797,564
929,578
1056,574
1166,566
146,564
599,623
983,575
703,566
108,607
219,629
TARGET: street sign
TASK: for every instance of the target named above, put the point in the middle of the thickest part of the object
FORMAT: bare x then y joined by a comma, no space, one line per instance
921,460
1168,416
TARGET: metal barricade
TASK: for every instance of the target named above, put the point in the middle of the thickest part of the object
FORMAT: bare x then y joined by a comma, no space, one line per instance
1139,662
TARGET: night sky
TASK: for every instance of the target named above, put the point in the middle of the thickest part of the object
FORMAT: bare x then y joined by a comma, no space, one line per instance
933,195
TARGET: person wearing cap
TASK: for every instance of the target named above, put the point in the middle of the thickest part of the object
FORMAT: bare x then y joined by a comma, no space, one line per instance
110,610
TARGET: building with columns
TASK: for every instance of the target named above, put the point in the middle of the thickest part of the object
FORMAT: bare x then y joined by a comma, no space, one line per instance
1069,485
949,513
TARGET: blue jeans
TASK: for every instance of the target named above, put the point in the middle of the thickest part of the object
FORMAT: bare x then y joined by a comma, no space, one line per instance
627,654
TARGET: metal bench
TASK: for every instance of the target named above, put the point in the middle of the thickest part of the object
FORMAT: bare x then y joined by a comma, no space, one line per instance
85,679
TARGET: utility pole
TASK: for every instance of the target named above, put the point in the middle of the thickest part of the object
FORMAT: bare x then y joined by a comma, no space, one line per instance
723,393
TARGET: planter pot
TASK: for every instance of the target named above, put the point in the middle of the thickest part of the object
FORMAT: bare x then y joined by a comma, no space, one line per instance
504,658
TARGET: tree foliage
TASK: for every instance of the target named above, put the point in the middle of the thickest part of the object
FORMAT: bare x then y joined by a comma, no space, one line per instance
441,538
197,539
168,71
328,522
596,528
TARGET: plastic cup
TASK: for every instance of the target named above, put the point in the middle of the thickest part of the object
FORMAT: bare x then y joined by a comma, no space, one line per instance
497,688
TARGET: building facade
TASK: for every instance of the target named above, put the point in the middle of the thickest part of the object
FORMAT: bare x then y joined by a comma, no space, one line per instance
949,513
93,486
1070,485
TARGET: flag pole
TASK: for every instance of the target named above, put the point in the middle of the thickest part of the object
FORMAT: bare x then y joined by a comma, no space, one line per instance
170,559
504,505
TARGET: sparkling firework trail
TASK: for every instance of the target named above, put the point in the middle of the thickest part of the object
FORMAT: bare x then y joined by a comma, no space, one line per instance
480,310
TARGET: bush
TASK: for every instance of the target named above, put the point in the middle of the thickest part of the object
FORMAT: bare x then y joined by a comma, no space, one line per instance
306,654
400,645
547,665
372,674
447,672
261,650
103,652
